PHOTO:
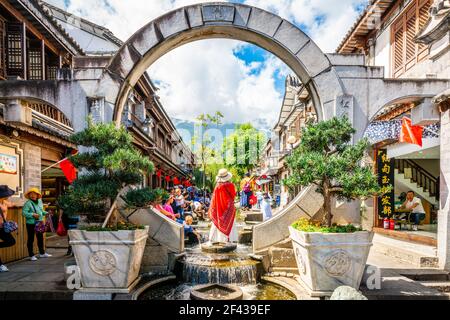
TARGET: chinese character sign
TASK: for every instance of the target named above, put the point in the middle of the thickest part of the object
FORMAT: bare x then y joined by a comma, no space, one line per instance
386,167
8,164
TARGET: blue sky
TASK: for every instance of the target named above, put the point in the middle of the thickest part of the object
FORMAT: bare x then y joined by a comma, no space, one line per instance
248,83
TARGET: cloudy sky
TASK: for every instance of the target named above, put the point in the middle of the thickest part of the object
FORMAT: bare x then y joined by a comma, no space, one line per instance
244,82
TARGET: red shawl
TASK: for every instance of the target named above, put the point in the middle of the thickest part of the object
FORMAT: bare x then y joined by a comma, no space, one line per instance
222,211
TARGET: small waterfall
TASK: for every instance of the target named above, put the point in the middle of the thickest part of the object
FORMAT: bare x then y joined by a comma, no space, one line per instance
219,269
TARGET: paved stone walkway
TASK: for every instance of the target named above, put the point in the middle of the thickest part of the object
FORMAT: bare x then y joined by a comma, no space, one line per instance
44,279
38,280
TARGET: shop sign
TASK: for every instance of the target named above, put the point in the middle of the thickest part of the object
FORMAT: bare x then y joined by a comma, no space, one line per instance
386,178
8,164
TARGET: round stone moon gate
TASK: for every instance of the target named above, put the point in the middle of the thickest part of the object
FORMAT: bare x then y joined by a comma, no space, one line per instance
229,21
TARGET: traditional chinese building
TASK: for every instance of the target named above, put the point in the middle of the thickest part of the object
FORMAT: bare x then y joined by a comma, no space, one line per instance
49,63
410,41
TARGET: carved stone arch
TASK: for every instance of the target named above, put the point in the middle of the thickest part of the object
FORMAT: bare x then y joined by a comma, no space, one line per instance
229,21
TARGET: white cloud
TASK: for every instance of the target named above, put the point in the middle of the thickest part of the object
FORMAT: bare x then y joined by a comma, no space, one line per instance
206,76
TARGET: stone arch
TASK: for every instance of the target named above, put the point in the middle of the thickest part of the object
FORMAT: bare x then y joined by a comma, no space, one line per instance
229,21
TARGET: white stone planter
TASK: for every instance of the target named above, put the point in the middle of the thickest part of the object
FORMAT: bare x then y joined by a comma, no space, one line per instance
329,261
108,260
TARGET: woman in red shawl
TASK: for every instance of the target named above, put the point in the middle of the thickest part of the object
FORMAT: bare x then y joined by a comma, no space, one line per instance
222,211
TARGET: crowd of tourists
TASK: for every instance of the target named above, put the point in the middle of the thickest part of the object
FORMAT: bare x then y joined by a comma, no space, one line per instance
252,196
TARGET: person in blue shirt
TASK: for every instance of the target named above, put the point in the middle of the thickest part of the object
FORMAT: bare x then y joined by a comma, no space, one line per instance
190,233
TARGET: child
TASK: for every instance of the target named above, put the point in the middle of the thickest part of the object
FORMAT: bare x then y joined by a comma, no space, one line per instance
189,232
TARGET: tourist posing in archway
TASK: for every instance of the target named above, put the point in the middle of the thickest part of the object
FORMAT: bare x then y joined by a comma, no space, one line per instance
222,211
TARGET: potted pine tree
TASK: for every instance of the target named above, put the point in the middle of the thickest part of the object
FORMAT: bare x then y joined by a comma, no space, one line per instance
109,256
329,255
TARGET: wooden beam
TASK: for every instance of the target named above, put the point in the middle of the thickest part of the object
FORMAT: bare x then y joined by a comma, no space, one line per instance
29,25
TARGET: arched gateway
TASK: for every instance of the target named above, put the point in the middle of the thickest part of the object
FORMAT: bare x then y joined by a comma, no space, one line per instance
222,20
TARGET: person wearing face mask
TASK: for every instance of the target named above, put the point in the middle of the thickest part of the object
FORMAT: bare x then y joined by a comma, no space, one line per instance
34,213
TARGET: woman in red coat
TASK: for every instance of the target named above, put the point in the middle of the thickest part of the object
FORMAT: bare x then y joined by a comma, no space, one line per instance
222,211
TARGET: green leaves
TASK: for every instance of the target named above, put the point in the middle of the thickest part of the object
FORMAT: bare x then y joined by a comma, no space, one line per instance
243,148
326,158
111,163
143,198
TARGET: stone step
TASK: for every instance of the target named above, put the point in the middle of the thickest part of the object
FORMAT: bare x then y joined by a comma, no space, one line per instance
254,217
443,286
245,237
426,275
282,258
285,272
418,255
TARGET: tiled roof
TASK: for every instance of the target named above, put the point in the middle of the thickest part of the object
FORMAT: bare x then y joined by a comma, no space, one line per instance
85,25
366,22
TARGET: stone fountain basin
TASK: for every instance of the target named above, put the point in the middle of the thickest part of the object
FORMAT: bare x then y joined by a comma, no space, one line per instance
218,247
216,292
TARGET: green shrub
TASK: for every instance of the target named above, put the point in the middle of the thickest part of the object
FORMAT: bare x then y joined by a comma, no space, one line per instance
307,226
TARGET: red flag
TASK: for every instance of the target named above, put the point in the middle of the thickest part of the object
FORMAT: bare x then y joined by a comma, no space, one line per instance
411,134
69,170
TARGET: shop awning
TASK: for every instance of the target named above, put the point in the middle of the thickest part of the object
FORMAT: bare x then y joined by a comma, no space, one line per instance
379,131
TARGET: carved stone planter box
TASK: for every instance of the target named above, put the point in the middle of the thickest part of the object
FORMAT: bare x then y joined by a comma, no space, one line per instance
108,260
328,261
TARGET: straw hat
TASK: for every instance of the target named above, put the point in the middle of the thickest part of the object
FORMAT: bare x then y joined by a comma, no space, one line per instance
224,176
35,190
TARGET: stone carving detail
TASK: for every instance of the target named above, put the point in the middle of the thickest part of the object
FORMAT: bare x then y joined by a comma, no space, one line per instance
439,6
344,107
103,262
337,263
97,109
218,13
301,261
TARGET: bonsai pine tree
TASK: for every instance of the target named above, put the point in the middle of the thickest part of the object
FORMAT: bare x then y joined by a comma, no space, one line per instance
326,158
111,164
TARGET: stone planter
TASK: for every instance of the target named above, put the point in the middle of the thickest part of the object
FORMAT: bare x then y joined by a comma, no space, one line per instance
329,261
108,260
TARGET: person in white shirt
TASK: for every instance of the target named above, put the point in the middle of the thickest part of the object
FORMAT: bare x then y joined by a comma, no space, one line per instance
415,205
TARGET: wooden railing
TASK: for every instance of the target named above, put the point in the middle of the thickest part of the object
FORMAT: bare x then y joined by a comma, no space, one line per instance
420,176
51,112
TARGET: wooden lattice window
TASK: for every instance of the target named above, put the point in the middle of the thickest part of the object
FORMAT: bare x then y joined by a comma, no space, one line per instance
15,61
406,53
35,64
2,49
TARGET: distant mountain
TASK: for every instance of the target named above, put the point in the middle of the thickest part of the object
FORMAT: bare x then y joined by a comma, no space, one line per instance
187,130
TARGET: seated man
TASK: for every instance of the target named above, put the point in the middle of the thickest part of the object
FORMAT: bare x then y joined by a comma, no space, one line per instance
414,205
190,233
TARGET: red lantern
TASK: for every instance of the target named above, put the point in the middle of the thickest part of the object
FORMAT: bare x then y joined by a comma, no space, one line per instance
168,179
159,173
176,181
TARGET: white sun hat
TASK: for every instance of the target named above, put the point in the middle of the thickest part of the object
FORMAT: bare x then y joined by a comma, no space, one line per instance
224,176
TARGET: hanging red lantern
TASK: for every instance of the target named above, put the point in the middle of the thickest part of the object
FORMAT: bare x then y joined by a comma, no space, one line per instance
176,181
168,179
159,173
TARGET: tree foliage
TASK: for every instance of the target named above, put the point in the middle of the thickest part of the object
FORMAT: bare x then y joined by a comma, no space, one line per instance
326,158
242,149
110,164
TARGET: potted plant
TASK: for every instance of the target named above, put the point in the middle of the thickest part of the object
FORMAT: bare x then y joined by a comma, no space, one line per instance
109,256
330,256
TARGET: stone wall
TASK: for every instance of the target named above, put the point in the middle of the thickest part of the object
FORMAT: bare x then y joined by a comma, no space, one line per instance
444,213
32,163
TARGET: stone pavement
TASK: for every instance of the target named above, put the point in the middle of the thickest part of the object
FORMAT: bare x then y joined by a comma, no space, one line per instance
44,279
38,280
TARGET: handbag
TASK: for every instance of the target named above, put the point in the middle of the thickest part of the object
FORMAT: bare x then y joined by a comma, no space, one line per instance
61,230
49,224
9,226
40,227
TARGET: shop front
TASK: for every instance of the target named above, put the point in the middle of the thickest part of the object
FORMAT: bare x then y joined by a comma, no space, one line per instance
409,171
